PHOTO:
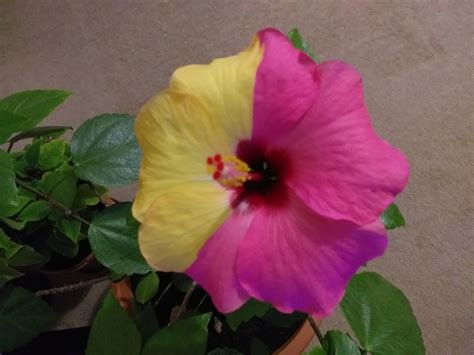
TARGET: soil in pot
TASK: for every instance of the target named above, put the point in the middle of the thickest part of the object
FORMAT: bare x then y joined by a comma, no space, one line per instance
274,329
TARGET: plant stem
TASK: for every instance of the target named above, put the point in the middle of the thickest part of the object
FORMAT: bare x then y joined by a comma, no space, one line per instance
155,304
71,287
67,212
182,307
316,329
10,146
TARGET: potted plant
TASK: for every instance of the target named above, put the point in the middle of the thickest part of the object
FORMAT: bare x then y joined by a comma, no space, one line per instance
60,232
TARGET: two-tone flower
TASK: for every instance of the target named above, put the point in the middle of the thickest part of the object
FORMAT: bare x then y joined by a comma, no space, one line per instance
262,177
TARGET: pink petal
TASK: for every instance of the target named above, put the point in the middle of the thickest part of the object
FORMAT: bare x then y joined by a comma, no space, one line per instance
285,87
214,268
340,167
299,261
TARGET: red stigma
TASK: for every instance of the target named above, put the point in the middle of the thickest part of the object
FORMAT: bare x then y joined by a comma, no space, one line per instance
220,166
209,160
217,157
216,175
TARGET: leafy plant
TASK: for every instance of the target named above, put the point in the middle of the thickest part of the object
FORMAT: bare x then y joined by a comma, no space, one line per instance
55,212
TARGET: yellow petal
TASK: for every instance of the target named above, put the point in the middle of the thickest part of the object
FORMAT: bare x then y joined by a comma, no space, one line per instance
225,87
207,110
179,222
176,135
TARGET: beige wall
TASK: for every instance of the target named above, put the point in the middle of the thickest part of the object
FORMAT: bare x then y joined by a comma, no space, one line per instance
417,61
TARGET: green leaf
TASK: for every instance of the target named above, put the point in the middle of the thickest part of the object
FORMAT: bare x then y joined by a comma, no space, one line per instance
35,211
60,185
7,273
52,154
113,332
23,316
26,109
32,154
258,347
113,238
187,336
22,201
61,244
224,351
9,124
12,223
250,309
392,217
146,322
147,287
48,131
338,343
18,255
381,317
106,151
70,228
8,191
316,351
85,196
298,42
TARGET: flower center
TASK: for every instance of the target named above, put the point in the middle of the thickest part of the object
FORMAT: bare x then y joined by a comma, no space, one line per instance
228,170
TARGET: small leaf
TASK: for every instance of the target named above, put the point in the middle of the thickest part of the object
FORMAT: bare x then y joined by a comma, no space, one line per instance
113,238
7,273
70,228
113,332
32,154
146,322
187,336
85,196
298,42
61,244
27,109
316,351
22,201
252,308
9,124
392,217
35,211
105,150
18,255
16,225
381,317
8,191
224,351
147,287
60,185
338,343
52,154
49,131
23,316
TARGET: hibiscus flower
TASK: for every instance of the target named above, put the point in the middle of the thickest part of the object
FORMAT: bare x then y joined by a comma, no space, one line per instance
262,177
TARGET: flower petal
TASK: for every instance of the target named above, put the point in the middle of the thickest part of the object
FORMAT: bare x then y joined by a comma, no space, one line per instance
214,268
300,261
341,168
176,134
178,223
285,88
225,87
